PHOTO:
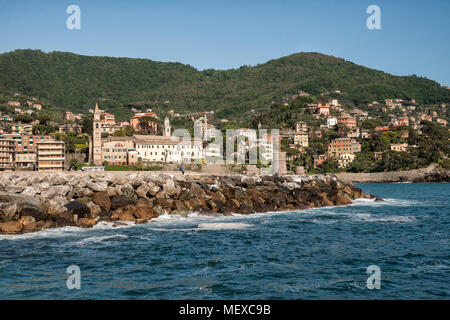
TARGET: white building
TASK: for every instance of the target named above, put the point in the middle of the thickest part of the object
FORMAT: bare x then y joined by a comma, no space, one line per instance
167,149
331,122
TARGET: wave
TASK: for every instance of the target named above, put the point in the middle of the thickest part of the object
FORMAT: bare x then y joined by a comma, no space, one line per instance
46,233
100,239
222,226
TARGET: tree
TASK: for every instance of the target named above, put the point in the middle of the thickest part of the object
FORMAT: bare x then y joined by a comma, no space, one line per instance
43,118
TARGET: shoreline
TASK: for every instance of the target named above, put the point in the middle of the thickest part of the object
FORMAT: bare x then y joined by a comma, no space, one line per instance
30,203
432,173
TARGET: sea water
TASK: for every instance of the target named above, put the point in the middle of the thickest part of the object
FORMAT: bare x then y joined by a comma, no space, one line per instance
321,253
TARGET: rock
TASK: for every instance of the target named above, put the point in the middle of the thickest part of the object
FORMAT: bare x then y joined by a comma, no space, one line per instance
11,227
245,209
26,220
100,186
214,205
233,205
113,191
79,192
145,213
143,190
130,194
29,191
30,227
153,190
126,215
144,202
56,191
86,222
78,208
8,210
102,199
183,213
342,199
95,209
119,201
170,188
197,191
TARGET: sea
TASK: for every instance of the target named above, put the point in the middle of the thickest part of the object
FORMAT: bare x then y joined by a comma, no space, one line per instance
396,249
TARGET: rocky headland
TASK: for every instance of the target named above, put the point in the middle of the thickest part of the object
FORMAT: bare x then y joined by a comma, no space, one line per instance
30,202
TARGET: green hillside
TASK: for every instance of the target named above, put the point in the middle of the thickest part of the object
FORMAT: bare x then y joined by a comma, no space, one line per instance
76,82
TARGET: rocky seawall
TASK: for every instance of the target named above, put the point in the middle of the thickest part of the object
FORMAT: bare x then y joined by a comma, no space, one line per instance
432,173
31,202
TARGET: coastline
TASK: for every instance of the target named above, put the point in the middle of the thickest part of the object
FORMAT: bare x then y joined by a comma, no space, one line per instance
432,173
34,202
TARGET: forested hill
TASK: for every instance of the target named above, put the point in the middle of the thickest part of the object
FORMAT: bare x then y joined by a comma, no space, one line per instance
76,82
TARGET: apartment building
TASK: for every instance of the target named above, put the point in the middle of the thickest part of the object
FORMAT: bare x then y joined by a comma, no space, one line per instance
345,160
348,120
341,146
50,155
7,154
26,143
301,139
25,160
301,126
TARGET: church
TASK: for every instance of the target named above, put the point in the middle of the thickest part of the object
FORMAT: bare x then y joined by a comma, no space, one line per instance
133,149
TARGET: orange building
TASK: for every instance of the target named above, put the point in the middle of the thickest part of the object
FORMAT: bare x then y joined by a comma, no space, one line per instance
147,126
323,109
341,146
26,143
349,121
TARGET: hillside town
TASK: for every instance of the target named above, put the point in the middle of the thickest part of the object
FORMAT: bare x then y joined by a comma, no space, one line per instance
328,137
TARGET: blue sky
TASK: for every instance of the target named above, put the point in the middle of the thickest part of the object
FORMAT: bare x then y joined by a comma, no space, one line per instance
414,38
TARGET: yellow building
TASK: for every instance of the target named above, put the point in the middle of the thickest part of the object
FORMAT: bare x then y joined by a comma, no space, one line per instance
7,154
399,147
50,155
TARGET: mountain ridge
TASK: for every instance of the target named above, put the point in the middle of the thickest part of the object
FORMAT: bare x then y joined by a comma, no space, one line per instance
76,82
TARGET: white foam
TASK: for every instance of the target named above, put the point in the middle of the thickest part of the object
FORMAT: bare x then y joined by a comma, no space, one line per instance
46,233
222,226
100,239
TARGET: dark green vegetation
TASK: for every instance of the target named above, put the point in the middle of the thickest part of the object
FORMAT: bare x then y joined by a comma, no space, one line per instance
76,82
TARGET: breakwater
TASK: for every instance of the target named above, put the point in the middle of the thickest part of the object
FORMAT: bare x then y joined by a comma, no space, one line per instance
432,173
31,202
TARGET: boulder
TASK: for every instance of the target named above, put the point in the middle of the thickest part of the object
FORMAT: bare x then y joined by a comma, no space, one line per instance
142,191
78,208
145,213
119,201
11,227
245,209
86,222
197,191
99,186
102,199
127,215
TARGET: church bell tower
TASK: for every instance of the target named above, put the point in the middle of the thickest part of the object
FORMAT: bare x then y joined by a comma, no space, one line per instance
97,138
